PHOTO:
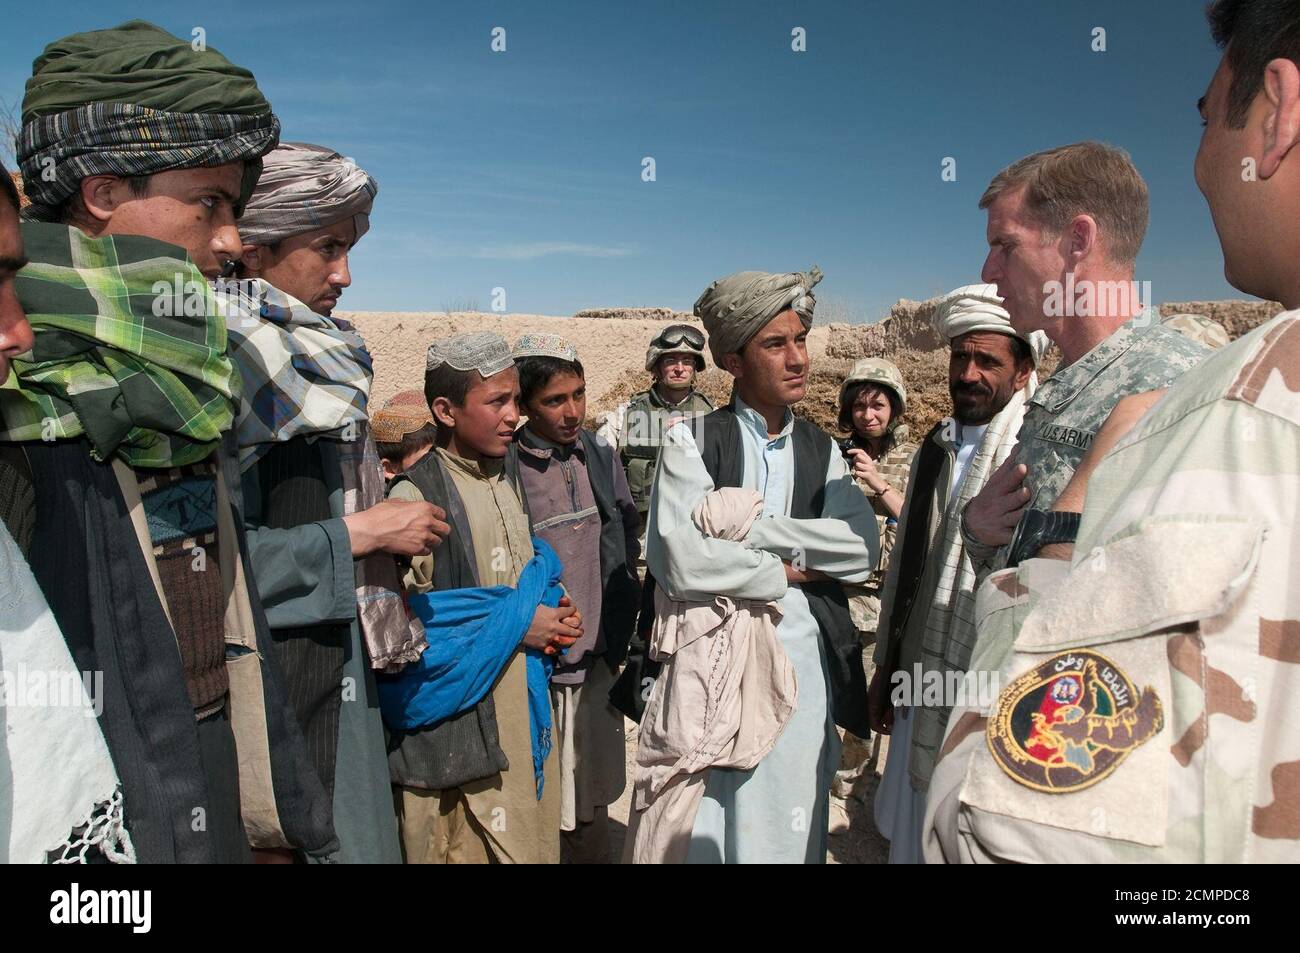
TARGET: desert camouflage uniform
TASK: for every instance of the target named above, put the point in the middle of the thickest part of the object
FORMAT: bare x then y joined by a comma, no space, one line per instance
894,466
1184,598
1200,329
1070,406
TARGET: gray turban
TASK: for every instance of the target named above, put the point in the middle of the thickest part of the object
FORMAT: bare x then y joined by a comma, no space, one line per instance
736,307
480,351
304,187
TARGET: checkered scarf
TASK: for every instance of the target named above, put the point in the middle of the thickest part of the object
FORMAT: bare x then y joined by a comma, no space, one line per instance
304,373
130,351
56,152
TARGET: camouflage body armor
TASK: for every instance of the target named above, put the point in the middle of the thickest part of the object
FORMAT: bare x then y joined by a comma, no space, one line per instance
648,417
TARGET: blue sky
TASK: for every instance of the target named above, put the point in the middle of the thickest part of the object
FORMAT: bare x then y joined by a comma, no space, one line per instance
523,169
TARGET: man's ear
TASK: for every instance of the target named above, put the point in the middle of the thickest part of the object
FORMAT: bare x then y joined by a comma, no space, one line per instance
733,365
444,412
253,259
1282,118
387,464
1082,236
101,195
1023,371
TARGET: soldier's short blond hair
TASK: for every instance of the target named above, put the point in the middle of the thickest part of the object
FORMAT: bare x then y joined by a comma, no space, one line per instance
1083,178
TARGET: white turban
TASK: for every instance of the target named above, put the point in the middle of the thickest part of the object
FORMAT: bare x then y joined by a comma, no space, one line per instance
978,308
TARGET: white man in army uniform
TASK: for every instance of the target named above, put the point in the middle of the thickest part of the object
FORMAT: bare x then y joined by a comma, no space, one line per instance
1148,709
1069,220
636,428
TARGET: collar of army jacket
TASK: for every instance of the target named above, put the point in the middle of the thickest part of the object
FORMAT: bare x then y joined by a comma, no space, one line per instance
657,399
1056,393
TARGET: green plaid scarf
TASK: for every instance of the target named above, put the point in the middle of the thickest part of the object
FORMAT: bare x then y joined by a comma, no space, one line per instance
130,351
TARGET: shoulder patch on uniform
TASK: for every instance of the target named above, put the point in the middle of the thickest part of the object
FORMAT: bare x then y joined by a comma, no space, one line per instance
1069,722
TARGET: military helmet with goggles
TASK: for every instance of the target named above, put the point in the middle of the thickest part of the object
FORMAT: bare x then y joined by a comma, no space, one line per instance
676,339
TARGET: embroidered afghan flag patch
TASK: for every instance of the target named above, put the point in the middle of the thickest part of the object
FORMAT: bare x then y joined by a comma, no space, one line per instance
1068,723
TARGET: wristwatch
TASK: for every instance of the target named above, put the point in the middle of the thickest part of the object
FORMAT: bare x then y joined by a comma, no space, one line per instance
1039,528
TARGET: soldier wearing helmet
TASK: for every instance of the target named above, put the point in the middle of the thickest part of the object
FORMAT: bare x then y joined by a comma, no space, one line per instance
636,428
873,399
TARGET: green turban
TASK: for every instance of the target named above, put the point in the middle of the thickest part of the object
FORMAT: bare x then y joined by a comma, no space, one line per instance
135,100
736,307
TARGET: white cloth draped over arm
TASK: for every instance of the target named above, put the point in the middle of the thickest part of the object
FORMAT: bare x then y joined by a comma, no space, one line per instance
611,428
844,543
689,566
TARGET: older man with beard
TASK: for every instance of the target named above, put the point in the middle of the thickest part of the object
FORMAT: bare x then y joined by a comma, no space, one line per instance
321,536
816,530
123,412
926,623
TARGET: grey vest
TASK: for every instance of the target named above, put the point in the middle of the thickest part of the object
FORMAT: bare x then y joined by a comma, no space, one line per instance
465,747
720,445
719,439
621,589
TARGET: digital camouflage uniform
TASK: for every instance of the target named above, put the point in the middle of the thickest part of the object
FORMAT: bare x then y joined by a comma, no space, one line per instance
1147,710
1068,409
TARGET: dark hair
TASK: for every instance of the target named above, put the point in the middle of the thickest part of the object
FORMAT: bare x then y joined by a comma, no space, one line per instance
241,270
1020,350
411,442
1251,33
854,391
445,381
73,207
9,189
536,372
